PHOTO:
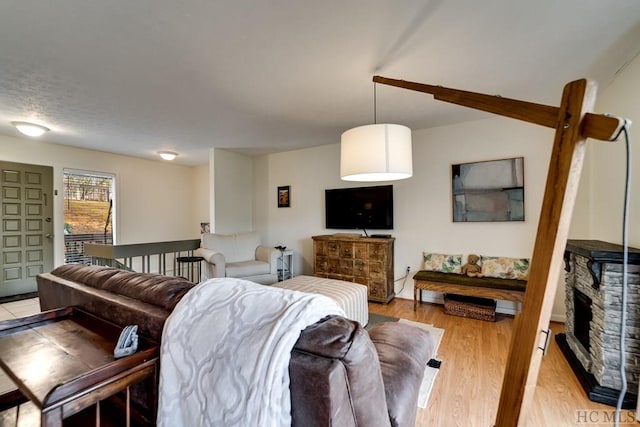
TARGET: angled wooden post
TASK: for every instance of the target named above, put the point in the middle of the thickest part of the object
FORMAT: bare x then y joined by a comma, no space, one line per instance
573,124
565,165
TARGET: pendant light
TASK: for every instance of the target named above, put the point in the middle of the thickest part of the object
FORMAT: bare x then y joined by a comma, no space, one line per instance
377,152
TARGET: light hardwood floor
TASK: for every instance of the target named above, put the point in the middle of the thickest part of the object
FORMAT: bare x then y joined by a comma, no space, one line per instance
474,354
467,388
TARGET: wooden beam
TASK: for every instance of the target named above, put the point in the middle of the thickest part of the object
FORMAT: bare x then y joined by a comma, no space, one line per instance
599,126
594,125
546,263
534,113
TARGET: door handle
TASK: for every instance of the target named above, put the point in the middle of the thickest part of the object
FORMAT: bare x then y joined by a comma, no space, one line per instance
48,236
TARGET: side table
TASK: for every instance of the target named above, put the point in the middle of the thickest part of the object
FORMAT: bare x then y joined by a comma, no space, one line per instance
285,265
188,263
62,362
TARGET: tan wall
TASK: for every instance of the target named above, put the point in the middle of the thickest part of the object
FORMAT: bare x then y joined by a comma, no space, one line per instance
422,204
153,198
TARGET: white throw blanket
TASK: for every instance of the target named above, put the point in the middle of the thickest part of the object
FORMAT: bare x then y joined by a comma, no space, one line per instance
224,359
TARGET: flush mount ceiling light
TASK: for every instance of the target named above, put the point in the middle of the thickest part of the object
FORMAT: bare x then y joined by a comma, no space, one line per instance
377,152
30,129
168,155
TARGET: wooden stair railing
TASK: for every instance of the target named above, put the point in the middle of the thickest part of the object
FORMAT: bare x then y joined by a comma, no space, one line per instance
155,257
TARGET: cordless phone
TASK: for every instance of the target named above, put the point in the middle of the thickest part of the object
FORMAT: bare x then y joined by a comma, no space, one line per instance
127,343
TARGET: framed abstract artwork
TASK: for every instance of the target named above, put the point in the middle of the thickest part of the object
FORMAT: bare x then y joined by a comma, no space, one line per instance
488,191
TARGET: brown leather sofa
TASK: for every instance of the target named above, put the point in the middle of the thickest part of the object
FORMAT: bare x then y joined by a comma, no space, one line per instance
341,375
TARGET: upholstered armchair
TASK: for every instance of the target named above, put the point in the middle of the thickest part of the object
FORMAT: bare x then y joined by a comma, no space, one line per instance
239,255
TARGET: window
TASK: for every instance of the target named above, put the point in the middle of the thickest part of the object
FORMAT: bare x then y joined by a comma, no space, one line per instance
88,212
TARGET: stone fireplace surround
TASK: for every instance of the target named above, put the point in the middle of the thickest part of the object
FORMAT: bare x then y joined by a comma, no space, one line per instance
593,300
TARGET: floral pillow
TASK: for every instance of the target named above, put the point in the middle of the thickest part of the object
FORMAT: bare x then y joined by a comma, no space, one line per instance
505,268
442,262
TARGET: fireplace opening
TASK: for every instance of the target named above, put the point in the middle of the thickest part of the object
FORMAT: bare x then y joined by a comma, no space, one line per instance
582,318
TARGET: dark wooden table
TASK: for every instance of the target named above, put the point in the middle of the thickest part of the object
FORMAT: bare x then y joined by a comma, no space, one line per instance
62,362
188,263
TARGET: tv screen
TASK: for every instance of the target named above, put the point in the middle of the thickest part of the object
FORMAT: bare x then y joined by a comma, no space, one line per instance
368,208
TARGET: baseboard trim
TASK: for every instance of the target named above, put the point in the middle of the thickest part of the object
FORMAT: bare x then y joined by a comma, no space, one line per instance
20,297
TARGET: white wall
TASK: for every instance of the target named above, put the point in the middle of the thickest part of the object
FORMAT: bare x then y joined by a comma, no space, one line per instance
153,198
422,203
200,195
598,210
607,159
309,172
233,183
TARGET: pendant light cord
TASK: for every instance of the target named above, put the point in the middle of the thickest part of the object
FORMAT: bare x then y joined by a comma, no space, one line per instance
625,267
375,106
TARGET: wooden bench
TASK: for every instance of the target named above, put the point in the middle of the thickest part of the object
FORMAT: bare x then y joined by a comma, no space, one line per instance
484,287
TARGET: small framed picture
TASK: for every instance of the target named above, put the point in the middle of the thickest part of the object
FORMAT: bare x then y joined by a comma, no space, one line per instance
284,196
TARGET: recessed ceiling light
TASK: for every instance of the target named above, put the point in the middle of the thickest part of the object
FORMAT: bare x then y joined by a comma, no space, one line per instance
168,155
30,129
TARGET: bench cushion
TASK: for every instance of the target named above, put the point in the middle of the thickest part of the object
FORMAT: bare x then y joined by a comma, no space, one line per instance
505,267
459,279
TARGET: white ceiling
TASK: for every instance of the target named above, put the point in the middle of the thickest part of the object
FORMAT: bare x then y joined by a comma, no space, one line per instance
135,77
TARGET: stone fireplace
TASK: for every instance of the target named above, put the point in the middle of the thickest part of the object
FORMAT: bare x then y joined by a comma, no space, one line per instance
593,300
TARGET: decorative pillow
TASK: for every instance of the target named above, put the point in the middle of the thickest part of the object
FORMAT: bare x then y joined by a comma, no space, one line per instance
505,268
442,262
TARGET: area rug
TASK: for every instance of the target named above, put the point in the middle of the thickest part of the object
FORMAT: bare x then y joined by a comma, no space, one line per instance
374,319
433,366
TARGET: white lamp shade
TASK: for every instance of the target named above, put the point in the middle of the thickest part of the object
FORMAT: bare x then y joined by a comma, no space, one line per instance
380,152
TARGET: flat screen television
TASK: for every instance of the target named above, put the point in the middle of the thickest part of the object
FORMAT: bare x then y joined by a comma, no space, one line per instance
369,208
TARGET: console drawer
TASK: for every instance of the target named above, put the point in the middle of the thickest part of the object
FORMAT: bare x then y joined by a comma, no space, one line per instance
361,251
321,265
376,270
346,267
332,249
346,250
377,251
360,268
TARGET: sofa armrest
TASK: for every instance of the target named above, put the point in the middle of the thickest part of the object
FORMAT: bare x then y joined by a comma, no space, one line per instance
215,263
403,351
335,377
270,255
